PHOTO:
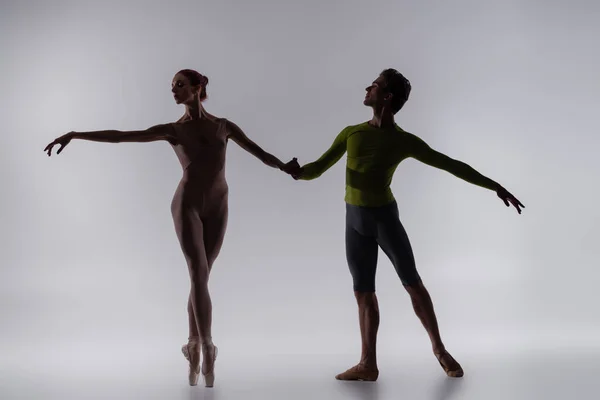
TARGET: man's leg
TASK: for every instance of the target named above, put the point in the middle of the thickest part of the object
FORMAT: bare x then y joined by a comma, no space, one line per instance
395,243
361,254
368,316
423,307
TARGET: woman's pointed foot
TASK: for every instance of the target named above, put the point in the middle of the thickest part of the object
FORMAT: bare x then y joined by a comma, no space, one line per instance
209,353
191,352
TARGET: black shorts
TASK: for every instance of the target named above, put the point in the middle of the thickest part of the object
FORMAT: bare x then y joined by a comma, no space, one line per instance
368,228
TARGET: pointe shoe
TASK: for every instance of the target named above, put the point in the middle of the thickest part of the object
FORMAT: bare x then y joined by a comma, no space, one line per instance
358,373
454,370
194,372
209,377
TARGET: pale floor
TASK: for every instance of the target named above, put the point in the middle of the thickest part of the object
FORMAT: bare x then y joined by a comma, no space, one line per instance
547,375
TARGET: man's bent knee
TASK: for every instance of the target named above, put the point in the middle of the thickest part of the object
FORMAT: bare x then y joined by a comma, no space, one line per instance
365,297
413,282
414,288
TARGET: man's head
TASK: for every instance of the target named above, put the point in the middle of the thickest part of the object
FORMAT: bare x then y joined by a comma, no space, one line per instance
391,89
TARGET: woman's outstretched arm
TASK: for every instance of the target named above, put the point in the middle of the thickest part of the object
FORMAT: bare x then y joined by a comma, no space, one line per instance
155,133
238,136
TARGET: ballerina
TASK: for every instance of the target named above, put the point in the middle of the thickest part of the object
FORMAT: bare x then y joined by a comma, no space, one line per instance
200,204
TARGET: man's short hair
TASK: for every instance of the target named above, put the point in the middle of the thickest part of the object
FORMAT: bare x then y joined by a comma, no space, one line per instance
398,86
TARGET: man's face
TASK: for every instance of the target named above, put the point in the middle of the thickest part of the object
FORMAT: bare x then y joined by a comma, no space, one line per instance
376,95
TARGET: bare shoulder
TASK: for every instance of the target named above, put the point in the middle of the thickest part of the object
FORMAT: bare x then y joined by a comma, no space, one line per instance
178,125
164,129
232,129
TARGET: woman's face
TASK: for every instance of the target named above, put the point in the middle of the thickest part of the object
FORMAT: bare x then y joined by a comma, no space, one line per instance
183,91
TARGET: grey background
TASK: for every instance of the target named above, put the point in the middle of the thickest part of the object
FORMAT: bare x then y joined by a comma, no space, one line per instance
92,278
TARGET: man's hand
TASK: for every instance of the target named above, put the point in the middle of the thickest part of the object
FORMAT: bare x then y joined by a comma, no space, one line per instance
292,168
509,199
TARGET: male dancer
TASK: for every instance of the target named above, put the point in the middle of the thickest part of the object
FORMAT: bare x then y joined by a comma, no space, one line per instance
375,148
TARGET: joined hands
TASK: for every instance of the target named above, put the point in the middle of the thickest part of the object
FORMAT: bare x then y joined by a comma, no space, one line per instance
292,168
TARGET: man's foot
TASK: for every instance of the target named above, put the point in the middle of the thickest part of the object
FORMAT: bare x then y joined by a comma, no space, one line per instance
359,373
449,364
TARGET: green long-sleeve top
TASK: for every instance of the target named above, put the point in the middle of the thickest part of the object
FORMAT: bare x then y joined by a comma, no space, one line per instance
374,155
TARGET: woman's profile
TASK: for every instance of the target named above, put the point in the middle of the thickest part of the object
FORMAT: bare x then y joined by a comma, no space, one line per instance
200,204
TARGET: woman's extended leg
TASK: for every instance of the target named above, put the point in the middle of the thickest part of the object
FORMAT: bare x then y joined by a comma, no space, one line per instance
193,328
215,227
190,231
213,234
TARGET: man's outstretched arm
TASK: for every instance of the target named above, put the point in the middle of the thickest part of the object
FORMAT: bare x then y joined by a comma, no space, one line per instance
429,156
327,160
